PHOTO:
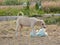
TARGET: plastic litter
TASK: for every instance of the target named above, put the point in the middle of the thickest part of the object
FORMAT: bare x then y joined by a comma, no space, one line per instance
42,32
33,33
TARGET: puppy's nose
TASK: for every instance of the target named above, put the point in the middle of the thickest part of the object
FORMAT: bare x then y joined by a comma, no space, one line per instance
44,26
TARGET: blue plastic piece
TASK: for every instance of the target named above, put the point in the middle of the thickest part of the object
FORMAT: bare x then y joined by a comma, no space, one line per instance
33,34
41,33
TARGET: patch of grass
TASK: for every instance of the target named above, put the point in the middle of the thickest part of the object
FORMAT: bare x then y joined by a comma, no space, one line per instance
14,12
9,12
47,7
11,2
51,6
52,20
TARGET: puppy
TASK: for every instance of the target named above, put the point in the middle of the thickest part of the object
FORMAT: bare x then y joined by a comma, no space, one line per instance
27,21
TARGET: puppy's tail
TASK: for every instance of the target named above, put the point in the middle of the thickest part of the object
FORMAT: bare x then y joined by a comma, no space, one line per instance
20,14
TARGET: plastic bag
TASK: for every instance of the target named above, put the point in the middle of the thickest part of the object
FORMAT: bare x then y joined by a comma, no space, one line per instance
33,33
41,32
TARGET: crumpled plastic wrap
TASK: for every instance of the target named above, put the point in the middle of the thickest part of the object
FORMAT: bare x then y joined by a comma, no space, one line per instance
33,33
42,32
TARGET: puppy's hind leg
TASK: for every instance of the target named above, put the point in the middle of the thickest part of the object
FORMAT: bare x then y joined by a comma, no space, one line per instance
20,28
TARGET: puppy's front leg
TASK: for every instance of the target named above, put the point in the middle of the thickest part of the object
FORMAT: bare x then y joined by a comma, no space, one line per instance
17,28
33,29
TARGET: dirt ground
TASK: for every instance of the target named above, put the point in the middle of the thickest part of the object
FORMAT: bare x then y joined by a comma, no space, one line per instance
7,35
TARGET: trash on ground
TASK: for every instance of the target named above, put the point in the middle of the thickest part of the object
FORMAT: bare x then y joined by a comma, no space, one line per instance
42,32
33,33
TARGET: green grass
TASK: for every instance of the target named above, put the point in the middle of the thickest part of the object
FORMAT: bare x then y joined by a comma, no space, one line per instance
9,12
52,20
14,12
50,7
12,2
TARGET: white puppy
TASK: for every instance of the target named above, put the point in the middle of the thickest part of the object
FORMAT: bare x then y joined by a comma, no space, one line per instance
29,22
